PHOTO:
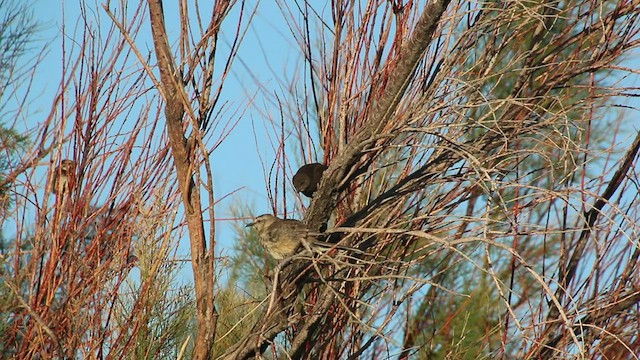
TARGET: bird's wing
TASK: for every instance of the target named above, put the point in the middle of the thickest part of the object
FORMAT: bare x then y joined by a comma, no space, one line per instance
271,233
294,226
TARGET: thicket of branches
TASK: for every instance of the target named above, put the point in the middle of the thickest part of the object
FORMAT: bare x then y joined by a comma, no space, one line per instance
482,154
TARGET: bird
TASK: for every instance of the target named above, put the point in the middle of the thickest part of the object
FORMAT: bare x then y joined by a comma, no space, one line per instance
283,238
308,177
63,177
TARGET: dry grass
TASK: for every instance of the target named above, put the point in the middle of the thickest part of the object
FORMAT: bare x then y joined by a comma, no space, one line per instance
478,152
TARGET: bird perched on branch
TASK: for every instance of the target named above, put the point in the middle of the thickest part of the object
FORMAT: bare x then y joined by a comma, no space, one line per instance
308,177
63,177
285,237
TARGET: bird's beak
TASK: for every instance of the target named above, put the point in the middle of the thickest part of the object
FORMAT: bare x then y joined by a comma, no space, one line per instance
249,224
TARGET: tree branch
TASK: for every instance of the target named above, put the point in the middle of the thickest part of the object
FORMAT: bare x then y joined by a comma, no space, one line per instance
202,260
408,58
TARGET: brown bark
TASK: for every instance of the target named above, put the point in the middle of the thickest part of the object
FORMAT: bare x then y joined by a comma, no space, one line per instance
202,259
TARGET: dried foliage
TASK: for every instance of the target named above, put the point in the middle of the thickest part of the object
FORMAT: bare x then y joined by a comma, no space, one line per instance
87,271
477,154
473,148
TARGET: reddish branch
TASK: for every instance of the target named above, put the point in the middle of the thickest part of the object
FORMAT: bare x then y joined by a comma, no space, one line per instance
326,198
384,108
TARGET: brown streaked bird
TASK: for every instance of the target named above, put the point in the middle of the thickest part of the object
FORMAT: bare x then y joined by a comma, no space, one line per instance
283,238
308,177
63,177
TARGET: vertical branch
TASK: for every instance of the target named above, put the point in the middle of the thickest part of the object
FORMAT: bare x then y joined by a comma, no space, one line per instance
202,260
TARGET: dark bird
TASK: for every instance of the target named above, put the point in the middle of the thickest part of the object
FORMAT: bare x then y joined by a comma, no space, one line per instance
284,237
308,177
63,177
